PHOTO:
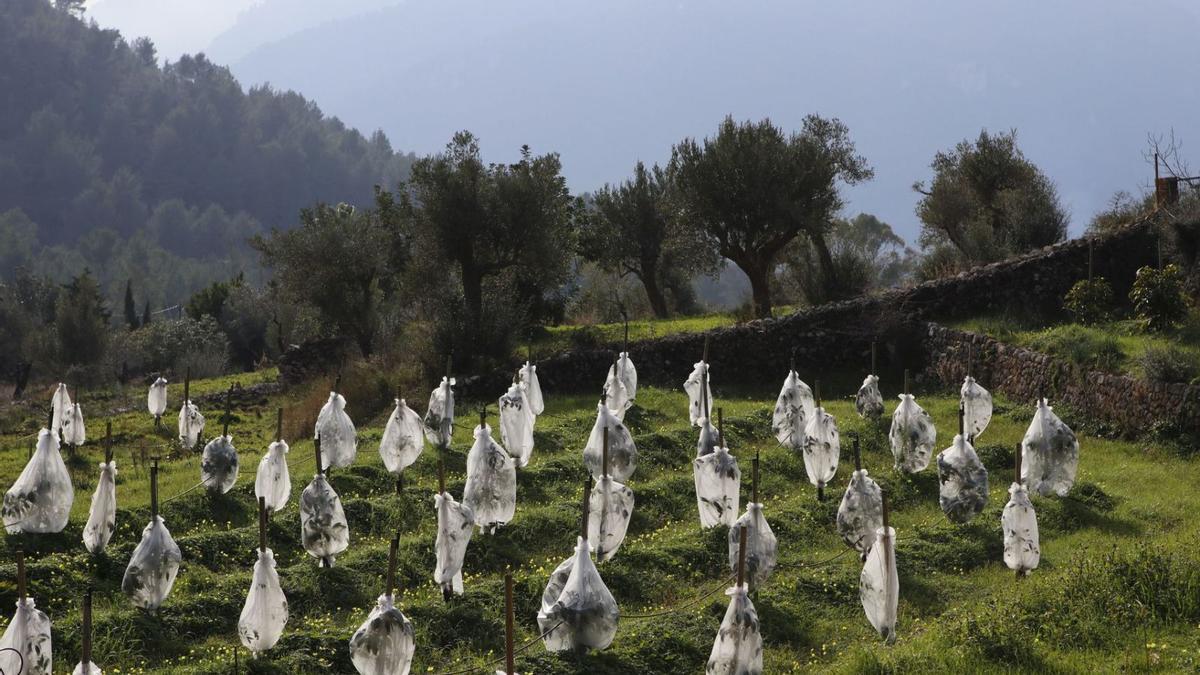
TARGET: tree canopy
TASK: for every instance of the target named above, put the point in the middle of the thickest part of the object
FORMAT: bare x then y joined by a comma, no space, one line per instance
753,188
988,201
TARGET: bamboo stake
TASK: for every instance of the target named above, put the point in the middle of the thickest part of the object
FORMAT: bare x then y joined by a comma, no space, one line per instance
391,573
86,632
262,524
741,567
508,625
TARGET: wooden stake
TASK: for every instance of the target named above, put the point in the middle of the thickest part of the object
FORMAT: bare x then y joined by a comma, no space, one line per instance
279,425
262,524
970,357
704,358
962,413
108,451
50,422
21,593
508,625
720,427
317,450
704,404
604,455
482,417
391,573
187,383
626,345
857,455
86,632
873,360
741,567
228,411
1017,475
754,477
906,381
337,381
587,493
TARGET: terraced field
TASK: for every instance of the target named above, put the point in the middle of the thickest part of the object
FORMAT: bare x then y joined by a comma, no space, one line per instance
1118,589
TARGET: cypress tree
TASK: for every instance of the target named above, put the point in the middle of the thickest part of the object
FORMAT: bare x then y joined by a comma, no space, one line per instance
131,316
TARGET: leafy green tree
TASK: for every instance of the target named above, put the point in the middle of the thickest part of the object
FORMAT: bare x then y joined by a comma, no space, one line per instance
752,189
492,223
211,300
867,254
131,316
339,261
82,322
631,230
988,201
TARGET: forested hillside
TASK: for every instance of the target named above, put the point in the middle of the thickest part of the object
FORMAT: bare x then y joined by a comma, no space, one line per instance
112,162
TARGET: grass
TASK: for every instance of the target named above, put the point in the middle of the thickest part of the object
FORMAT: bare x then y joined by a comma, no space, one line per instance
1117,346
1117,588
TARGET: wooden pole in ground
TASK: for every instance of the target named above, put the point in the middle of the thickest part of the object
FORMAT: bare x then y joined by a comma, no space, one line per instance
857,455
754,478
187,385
1017,471
720,427
962,413
883,497
509,666
21,589
228,411
587,493
154,490
741,566
604,455
317,452
108,450
86,633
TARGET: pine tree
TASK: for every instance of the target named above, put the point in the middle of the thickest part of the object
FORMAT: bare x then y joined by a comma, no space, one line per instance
131,316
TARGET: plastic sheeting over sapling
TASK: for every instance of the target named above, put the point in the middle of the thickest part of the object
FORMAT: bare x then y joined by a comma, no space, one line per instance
578,612
697,387
152,567
860,515
738,647
265,612
491,489
718,485
455,524
533,389
912,436
822,448
610,506
622,453
191,424
384,643
156,398
793,409
403,438
977,407
761,545
339,442
868,402
29,635
439,416
879,586
273,481
963,481
1022,551
1050,454
219,465
40,500
324,531
516,424
102,517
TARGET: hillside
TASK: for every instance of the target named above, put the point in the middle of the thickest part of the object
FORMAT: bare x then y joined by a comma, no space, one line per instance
103,150
1116,587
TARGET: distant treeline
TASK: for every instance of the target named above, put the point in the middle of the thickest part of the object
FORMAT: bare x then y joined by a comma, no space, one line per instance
159,174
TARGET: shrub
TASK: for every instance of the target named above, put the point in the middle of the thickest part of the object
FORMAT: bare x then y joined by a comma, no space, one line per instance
171,346
1169,364
1158,298
1085,347
1090,301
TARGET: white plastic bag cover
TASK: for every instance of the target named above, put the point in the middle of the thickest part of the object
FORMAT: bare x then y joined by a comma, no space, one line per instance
29,634
693,386
439,416
156,399
868,402
709,438
102,518
403,438
455,523
191,424
323,528
533,388
860,514
152,567
60,403
582,614
761,545
912,436
794,407
516,424
963,489
1022,551
41,499
738,649
219,465
616,394
73,432
1049,454
822,448
339,444
491,489
627,373
878,585
610,506
88,668
622,453
273,481
266,609
383,644
718,485
977,407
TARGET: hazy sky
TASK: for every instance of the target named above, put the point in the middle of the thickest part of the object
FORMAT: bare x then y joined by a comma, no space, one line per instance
609,82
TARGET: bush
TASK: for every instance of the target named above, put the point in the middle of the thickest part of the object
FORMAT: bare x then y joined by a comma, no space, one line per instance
1081,346
171,346
1169,364
1090,301
1158,298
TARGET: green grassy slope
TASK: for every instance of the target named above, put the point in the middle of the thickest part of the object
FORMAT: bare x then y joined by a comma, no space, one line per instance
1118,574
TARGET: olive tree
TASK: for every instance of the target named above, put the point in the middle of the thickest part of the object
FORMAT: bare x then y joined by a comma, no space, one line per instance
753,188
